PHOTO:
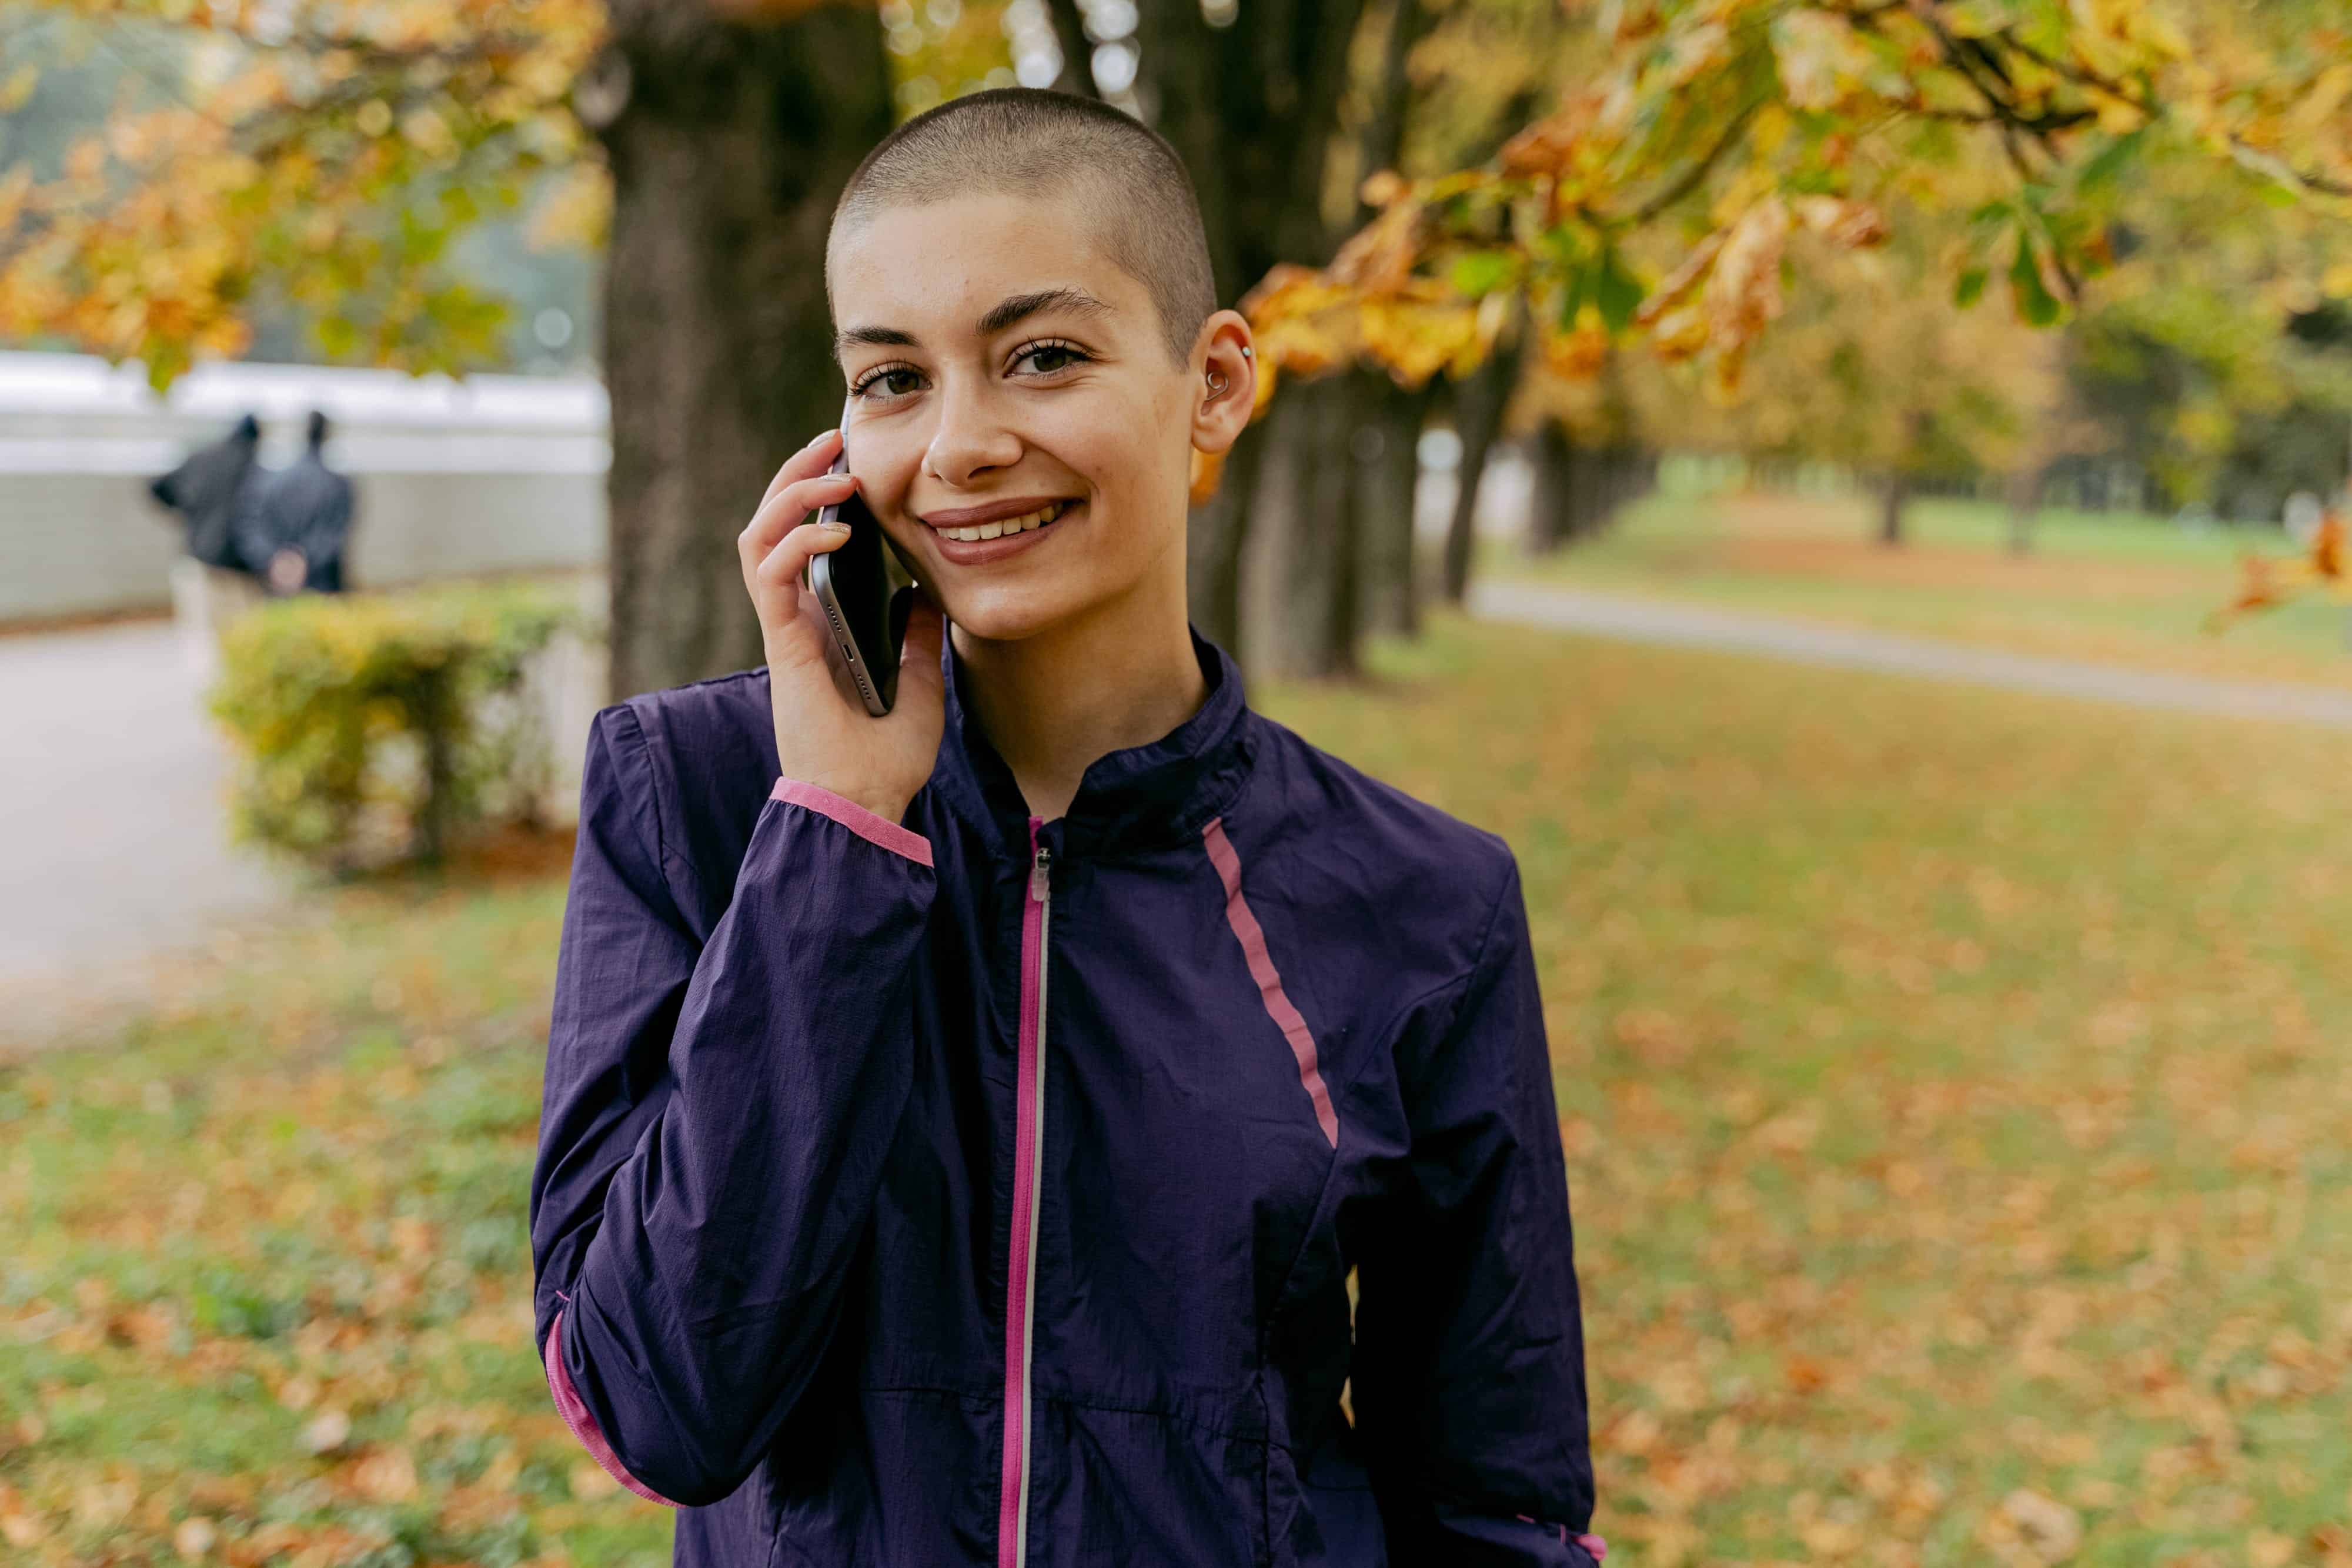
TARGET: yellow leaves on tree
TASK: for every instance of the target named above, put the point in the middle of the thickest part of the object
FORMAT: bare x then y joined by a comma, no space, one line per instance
1771,117
334,160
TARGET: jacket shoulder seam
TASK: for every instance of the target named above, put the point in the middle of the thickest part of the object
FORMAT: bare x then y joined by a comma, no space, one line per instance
658,839
1485,941
1454,1015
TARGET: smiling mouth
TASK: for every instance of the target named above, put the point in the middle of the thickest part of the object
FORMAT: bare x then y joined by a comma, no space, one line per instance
999,528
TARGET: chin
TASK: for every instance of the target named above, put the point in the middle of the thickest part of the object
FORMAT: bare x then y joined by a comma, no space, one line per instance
1008,615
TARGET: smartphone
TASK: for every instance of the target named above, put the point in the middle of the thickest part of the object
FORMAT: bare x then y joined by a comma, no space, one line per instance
866,604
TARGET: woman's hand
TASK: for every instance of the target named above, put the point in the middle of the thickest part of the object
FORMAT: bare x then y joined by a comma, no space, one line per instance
823,734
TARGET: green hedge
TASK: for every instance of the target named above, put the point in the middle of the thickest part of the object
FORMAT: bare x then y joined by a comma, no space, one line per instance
378,726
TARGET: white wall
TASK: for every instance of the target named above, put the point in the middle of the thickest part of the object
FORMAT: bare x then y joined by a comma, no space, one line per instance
493,472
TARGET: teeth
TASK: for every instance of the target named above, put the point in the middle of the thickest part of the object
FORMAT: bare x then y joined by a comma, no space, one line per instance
1036,519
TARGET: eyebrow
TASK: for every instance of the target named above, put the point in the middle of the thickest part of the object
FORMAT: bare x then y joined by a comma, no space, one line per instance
1012,309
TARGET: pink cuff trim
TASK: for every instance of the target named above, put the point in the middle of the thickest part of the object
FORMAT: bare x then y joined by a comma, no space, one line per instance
866,824
1592,1544
583,1425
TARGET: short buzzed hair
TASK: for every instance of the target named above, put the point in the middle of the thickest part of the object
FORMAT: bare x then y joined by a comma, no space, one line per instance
1028,142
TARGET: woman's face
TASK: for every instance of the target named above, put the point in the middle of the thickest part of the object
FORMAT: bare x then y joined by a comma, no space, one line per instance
1001,366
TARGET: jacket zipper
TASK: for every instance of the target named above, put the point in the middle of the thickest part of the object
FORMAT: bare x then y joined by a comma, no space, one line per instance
1021,1272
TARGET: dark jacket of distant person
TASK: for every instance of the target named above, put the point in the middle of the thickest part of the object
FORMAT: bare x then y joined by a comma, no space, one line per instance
306,506
213,490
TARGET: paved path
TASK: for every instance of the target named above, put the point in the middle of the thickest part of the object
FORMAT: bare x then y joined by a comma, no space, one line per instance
111,788
1656,621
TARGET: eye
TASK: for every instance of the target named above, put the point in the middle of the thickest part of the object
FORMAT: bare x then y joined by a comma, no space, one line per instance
1051,356
897,381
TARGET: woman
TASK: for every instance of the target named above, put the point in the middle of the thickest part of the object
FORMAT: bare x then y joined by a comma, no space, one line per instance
960,1126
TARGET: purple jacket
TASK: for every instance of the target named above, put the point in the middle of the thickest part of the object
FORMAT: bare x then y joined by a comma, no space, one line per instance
984,1189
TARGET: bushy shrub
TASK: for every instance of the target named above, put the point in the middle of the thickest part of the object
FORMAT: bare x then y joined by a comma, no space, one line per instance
378,726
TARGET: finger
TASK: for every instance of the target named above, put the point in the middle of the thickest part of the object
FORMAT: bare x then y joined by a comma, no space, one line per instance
814,458
785,510
795,501
780,572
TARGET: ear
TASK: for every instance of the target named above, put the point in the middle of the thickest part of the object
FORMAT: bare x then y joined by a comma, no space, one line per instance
1224,386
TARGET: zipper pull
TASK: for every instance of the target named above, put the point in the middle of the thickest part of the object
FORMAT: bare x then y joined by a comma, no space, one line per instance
1038,885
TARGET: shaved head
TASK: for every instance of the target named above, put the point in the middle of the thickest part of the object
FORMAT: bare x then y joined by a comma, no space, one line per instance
1025,141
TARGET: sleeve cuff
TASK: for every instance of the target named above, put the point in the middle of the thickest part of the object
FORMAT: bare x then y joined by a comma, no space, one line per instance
868,825
583,1426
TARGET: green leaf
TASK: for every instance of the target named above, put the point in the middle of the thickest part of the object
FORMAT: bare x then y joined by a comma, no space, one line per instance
1617,292
1572,298
1483,272
2110,160
1991,214
1971,286
2036,306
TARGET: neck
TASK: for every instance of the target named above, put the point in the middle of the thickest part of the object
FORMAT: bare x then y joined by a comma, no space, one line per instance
1123,674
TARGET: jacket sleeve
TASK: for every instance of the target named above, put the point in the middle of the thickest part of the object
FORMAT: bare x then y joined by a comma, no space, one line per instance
715,1119
1467,1383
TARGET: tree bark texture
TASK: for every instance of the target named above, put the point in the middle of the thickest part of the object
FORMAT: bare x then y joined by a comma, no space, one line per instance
1300,572
1387,485
728,145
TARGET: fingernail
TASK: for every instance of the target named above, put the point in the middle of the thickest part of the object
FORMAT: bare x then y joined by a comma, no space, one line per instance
835,526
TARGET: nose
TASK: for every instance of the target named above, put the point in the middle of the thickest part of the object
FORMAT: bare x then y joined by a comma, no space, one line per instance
971,437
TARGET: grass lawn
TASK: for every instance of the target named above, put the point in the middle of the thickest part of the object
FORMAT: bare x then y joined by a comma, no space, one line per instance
2117,589
1952,1082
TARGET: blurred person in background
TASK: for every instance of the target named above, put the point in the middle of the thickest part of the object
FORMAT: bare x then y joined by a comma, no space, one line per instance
301,521
214,490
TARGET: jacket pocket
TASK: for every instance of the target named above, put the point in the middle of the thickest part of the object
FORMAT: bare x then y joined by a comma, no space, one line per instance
1326,1517
1145,1490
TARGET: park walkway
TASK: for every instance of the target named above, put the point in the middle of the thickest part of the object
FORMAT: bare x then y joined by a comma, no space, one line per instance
1731,631
111,783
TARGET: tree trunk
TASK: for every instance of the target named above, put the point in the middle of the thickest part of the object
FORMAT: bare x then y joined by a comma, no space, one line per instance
1893,497
1552,510
1299,566
1388,487
1250,107
1479,403
1215,542
728,145
1077,53
2024,493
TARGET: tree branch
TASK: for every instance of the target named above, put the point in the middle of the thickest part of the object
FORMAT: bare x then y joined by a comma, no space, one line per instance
1696,176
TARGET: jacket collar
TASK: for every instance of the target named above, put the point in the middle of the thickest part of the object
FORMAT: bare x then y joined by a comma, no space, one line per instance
1137,798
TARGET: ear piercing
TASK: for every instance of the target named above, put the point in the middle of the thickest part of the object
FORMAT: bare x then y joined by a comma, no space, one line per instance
1217,381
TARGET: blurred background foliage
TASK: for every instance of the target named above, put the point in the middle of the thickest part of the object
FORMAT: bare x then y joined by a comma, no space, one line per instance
2083,251
377,728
